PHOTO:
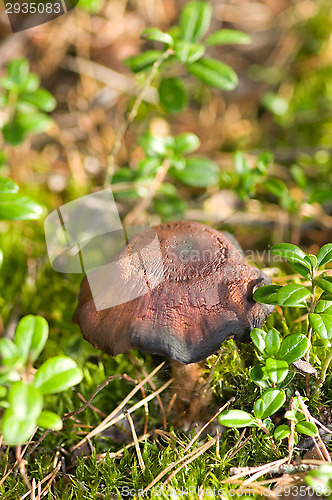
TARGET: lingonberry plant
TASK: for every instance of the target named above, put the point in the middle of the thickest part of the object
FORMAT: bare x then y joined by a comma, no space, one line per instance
278,357
23,388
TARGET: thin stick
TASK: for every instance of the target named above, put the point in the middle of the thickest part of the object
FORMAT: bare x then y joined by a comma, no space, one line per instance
79,410
111,416
137,448
191,442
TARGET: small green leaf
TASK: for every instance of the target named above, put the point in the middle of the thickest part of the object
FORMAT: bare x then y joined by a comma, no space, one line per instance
18,70
236,418
188,52
14,430
8,186
34,123
293,347
13,133
307,428
258,375
274,103
14,206
49,420
172,95
272,342
324,255
258,337
195,20
40,98
30,336
269,403
158,35
177,161
57,374
214,73
8,349
267,294
293,295
154,145
25,400
324,306
322,324
281,432
186,143
224,37
241,165
290,252
325,283
144,61
199,172
276,370
276,187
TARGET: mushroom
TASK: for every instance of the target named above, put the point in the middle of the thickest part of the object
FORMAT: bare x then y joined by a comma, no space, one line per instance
204,296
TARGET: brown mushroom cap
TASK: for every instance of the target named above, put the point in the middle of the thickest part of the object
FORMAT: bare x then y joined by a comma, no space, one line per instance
205,297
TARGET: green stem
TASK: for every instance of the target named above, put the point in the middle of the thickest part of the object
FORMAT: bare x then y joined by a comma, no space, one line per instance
124,127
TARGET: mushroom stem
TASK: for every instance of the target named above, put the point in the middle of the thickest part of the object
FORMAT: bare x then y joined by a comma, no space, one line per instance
189,386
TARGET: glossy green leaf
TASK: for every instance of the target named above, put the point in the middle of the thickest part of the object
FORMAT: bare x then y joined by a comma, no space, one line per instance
259,376
153,145
30,336
57,374
195,20
1,257
13,133
40,98
227,36
289,251
188,52
214,73
18,70
293,347
199,172
276,369
324,306
267,294
25,400
276,186
18,207
272,342
307,428
177,161
8,349
172,95
269,403
325,283
186,143
144,61
324,255
14,430
282,432
49,420
302,269
34,123
258,337
322,324
293,295
7,186
241,165
158,35
236,418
